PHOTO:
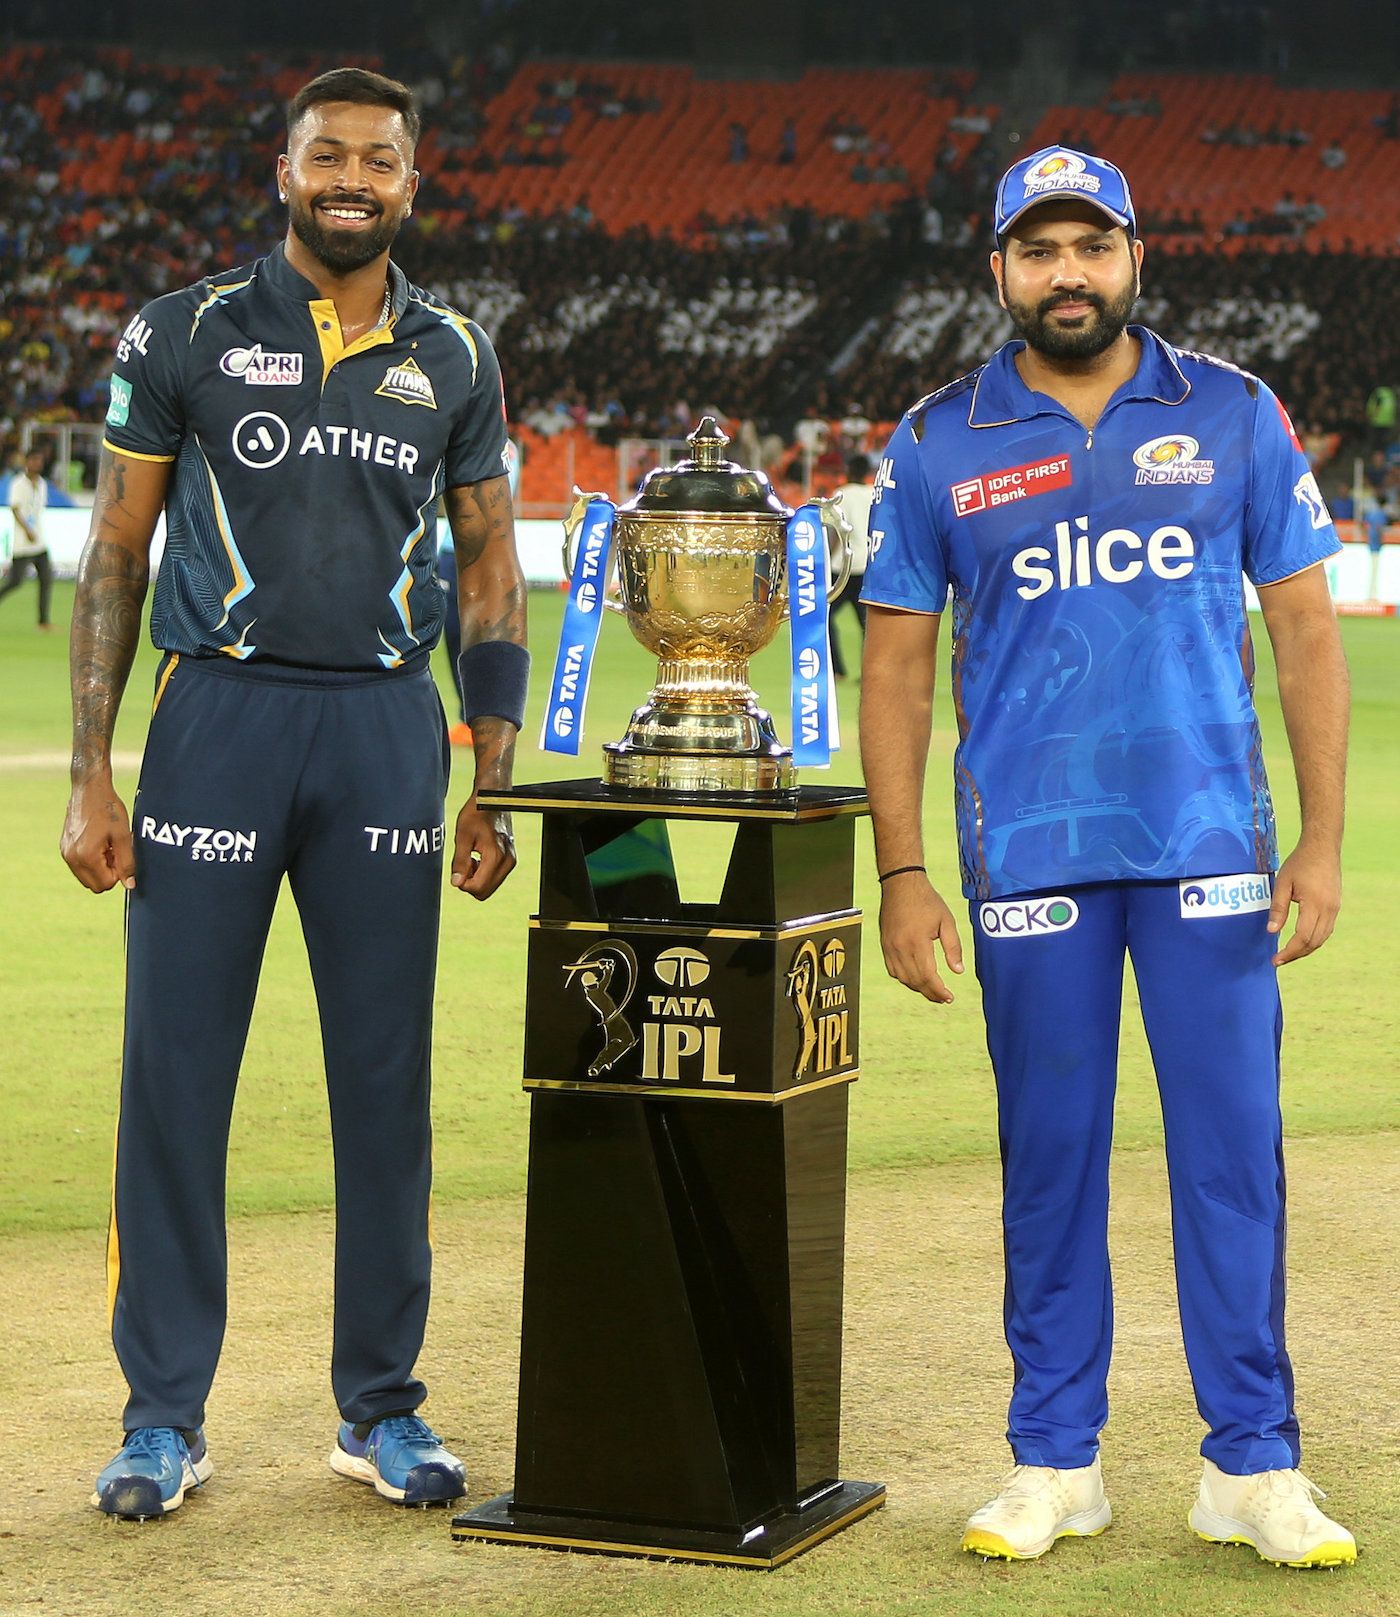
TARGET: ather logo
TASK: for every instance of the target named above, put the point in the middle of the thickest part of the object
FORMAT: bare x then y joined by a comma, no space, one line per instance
1027,917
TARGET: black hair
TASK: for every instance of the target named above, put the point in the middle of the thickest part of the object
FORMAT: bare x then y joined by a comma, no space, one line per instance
359,85
858,468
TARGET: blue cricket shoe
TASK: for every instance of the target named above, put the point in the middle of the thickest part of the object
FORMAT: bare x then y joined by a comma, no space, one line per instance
404,1460
151,1474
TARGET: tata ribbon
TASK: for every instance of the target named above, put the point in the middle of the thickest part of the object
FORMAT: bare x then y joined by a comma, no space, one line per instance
814,730
578,637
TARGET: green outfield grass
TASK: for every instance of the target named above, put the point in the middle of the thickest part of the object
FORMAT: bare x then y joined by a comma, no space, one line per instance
926,1095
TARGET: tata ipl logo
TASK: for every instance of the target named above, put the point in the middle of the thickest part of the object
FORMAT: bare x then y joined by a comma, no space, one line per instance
607,974
1211,897
1027,917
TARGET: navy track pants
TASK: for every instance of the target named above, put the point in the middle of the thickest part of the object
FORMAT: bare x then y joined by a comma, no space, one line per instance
1052,983
336,781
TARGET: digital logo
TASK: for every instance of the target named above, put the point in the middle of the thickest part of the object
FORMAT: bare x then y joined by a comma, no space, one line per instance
1011,483
1172,459
261,368
1060,171
1208,898
607,974
681,967
1309,495
261,439
809,663
586,597
409,384
119,410
1027,917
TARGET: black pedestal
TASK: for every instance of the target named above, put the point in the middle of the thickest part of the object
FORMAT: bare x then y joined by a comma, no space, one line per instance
681,1338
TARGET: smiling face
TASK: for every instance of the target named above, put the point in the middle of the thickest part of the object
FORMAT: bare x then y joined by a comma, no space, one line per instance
1068,278
348,180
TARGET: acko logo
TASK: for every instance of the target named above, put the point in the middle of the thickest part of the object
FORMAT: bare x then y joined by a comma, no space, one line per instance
1210,897
1116,557
1027,917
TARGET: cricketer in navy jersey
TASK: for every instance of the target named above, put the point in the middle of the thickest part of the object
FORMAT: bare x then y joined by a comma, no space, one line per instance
1090,501
297,419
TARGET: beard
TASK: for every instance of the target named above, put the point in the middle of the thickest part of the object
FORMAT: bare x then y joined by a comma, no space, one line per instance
341,251
1088,338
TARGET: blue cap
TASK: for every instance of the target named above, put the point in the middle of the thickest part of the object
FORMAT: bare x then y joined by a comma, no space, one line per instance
1058,173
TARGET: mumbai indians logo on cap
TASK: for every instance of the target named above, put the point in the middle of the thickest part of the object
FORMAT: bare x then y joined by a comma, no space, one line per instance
1060,171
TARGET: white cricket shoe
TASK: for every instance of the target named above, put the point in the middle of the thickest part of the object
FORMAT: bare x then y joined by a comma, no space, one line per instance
1275,1513
1036,1505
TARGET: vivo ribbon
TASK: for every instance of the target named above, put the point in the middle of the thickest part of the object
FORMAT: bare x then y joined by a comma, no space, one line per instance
814,731
578,637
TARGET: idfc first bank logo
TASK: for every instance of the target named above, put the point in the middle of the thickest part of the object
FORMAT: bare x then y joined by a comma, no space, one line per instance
1211,897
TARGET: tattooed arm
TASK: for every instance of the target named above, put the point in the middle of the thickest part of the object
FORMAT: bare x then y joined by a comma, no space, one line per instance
112,577
491,598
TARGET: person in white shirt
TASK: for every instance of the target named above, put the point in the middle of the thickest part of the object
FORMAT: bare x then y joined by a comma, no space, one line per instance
856,496
29,496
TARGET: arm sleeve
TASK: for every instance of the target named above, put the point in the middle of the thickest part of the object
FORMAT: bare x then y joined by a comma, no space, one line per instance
1287,524
477,448
908,564
146,409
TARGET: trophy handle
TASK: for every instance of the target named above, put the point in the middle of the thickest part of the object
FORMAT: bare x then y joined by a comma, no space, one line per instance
572,523
836,522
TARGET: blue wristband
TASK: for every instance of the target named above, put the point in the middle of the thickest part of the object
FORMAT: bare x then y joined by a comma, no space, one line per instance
495,675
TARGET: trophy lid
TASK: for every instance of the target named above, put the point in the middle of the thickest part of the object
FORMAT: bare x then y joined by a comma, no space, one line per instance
705,482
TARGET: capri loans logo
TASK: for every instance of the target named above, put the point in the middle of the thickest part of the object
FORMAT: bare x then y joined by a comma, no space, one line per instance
1028,917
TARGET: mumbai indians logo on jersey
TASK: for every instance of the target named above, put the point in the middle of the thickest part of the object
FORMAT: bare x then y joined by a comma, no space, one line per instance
408,384
1172,459
1061,171
1028,917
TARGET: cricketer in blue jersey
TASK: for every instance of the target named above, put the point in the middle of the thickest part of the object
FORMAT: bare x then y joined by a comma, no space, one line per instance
298,419
1090,501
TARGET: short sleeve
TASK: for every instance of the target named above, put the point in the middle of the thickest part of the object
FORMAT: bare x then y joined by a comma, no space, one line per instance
477,448
907,566
1287,524
146,407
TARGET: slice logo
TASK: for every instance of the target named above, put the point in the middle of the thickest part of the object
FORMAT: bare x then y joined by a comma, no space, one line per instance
409,384
1209,897
1027,917
992,489
1172,459
260,367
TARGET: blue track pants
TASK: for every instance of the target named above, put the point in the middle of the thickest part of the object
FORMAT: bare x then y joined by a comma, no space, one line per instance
1052,989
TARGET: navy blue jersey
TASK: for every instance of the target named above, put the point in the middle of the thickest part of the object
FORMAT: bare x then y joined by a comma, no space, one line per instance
1102,666
301,515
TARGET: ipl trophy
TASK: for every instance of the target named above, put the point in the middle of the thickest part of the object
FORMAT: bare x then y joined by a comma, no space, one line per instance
689,1062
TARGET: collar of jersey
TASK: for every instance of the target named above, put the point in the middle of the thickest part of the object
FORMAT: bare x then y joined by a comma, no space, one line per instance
284,278
1001,398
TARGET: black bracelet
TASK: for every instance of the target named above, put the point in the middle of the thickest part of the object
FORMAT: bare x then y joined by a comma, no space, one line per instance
902,870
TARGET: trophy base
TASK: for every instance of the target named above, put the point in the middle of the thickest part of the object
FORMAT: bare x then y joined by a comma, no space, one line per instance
629,766
762,1549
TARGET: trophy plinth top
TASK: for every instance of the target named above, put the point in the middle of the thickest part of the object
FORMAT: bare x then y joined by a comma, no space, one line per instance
706,484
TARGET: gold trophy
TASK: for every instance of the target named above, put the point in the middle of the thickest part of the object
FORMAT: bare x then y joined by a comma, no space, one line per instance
701,565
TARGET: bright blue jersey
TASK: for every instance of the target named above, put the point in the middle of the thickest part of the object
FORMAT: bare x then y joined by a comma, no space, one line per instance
1102,665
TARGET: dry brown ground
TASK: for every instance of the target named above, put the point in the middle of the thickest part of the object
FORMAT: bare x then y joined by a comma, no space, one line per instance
275,1532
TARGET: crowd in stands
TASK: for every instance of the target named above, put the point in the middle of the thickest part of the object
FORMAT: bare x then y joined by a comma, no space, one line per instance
122,179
